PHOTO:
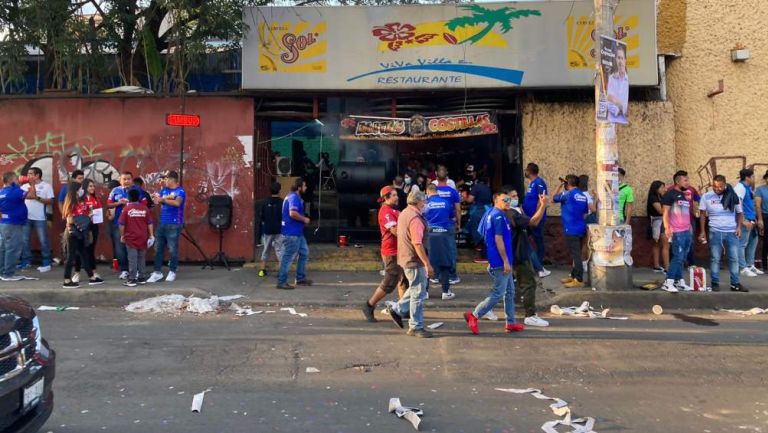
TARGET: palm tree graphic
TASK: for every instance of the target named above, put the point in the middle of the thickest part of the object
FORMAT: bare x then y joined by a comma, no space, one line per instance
490,17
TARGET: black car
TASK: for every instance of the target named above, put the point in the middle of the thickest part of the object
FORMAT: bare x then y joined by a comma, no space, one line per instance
27,369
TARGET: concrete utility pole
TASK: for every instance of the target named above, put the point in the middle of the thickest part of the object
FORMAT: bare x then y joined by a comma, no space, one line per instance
608,268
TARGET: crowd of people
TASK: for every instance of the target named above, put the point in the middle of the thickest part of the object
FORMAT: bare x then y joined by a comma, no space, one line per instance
27,206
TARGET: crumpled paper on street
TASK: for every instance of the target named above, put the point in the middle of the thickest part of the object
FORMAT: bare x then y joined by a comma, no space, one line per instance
243,311
202,305
412,414
174,304
583,310
751,312
293,312
559,408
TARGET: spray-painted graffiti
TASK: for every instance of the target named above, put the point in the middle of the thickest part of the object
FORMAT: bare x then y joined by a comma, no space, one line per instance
727,166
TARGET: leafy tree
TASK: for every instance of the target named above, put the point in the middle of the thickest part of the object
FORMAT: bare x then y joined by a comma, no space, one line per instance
490,17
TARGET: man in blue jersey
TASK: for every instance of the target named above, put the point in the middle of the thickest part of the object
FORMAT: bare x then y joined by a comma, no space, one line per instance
748,239
498,240
446,188
574,208
171,199
13,218
292,240
440,215
536,188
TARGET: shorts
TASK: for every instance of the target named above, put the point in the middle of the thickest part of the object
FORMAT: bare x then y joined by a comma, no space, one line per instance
394,275
268,241
657,228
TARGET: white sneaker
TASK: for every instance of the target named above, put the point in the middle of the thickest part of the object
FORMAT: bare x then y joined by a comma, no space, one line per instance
76,277
682,286
544,273
123,275
43,269
449,295
454,281
490,316
756,271
669,286
170,277
535,320
434,281
155,277
747,272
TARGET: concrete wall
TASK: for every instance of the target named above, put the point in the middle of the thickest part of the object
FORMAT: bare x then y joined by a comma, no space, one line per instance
721,134
104,136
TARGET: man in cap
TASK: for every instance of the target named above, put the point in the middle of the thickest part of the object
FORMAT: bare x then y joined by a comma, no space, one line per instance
393,273
171,199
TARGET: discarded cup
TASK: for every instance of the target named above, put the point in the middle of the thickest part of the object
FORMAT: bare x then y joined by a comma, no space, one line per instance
555,309
657,310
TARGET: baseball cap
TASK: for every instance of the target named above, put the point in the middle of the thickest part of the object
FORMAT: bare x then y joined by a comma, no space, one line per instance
385,192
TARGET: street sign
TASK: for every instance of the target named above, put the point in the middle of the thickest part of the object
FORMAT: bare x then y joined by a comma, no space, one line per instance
183,120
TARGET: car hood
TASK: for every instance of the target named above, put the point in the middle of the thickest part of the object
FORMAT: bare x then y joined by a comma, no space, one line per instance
13,305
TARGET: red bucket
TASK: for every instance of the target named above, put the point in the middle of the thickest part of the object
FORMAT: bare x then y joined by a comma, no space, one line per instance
342,241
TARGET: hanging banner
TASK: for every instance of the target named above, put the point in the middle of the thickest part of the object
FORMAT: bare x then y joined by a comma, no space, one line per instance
614,88
418,127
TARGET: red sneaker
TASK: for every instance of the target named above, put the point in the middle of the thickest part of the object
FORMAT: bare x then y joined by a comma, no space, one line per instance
471,322
515,327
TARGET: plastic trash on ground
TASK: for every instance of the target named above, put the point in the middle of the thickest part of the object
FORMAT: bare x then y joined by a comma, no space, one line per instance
412,414
201,306
158,304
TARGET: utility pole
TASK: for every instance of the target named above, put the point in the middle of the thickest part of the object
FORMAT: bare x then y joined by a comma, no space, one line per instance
608,268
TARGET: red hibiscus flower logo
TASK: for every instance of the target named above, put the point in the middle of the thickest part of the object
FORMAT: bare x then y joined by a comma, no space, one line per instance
397,34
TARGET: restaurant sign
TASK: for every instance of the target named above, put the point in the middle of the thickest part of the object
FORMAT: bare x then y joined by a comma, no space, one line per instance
418,127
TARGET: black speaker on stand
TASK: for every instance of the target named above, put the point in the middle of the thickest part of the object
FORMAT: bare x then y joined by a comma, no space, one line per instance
220,218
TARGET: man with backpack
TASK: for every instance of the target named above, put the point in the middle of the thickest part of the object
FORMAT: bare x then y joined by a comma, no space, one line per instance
271,217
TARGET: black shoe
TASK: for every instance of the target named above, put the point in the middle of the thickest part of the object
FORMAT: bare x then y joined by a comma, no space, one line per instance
95,281
715,287
395,317
130,283
70,285
368,313
738,288
141,281
285,287
420,333
304,283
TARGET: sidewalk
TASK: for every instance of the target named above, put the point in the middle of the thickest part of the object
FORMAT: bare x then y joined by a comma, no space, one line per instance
351,288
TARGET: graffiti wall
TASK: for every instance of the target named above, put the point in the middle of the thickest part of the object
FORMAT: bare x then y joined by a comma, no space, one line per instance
105,136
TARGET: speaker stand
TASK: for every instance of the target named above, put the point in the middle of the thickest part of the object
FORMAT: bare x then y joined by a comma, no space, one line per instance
185,234
220,257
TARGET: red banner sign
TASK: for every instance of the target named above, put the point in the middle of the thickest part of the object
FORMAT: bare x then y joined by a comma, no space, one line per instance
183,120
418,127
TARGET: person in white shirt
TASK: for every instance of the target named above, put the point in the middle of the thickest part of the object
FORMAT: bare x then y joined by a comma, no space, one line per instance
37,219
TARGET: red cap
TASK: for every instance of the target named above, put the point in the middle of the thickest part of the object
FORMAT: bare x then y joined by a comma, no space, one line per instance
385,192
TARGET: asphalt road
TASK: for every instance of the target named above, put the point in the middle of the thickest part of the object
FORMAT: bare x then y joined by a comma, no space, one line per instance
125,372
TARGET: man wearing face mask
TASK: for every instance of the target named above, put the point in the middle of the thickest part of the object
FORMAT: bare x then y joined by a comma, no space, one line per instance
523,268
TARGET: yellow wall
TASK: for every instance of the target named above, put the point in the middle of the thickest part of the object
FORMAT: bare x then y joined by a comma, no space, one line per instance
734,123
560,138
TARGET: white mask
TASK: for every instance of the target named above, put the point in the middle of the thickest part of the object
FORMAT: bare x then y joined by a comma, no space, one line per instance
408,180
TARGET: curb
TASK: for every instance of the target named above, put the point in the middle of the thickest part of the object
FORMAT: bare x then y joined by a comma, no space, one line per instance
95,297
369,266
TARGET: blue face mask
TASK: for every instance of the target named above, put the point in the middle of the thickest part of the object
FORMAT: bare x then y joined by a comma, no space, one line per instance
513,202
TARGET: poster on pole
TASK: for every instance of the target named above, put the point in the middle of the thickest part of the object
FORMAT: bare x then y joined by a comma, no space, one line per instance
614,87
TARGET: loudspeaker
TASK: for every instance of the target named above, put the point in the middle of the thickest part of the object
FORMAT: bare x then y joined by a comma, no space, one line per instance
220,211
283,166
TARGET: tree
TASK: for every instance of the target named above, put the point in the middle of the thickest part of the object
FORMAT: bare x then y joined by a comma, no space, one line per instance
489,17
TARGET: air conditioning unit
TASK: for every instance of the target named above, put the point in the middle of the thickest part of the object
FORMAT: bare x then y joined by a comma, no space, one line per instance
283,166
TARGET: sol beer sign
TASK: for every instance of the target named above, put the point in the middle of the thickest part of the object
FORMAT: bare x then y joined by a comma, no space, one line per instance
418,127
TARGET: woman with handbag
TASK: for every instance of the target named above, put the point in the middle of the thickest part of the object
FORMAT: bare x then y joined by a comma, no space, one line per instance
77,233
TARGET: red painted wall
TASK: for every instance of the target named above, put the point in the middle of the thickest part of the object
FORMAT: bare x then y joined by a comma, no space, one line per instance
104,136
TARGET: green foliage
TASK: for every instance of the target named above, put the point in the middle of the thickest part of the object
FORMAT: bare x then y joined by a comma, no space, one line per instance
490,17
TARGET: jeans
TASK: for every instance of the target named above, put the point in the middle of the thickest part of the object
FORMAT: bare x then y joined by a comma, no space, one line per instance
747,247
574,248
729,241
11,236
681,243
413,299
290,246
445,284
118,248
269,242
537,257
77,248
137,263
503,287
167,235
454,253
526,281
41,229
692,250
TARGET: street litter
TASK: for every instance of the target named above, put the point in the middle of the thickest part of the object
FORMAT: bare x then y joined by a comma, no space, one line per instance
657,310
293,312
435,325
243,311
312,370
412,414
175,304
197,401
27,278
559,408
58,308
584,310
751,312
230,298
